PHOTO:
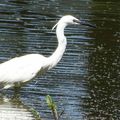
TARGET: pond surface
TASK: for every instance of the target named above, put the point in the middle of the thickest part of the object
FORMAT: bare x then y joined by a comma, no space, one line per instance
86,82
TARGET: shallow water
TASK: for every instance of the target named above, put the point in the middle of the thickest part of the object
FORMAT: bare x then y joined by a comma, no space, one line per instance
85,83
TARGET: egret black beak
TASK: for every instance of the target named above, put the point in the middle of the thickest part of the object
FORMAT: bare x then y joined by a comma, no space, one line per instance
84,23
87,24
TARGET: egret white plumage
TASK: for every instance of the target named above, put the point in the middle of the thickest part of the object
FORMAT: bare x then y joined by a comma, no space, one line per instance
23,69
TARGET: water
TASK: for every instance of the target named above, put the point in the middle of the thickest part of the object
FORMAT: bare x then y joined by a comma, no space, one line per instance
85,84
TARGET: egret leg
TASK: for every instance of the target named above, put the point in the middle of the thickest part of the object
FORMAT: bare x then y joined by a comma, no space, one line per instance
17,90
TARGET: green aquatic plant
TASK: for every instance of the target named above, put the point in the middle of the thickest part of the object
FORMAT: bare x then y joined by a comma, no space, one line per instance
51,104
35,114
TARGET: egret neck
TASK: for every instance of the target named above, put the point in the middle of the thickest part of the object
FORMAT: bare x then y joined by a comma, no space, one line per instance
62,42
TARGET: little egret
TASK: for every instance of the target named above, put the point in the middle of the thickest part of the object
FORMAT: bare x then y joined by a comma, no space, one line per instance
22,69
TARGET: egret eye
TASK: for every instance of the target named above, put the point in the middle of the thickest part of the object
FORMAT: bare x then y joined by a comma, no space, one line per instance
76,21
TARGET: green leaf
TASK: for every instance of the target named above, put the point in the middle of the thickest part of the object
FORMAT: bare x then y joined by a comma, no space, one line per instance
49,101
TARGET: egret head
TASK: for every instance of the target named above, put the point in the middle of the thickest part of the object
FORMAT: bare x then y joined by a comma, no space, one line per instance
69,19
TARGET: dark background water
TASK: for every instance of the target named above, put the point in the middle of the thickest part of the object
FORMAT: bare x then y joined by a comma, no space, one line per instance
86,82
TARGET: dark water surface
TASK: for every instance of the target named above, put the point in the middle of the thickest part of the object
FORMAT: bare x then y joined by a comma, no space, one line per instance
86,82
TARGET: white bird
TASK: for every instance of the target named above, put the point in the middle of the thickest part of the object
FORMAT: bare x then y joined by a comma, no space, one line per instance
22,69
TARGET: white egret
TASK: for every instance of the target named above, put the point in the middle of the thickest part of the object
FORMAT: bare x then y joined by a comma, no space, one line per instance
22,69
